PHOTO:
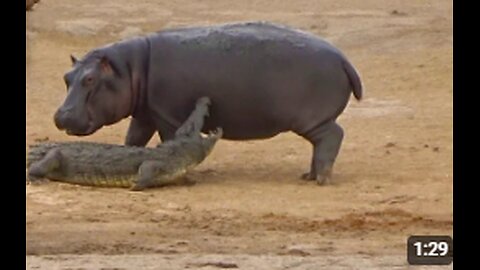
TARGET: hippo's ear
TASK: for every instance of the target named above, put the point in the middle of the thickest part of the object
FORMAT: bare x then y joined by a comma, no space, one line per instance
106,65
73,58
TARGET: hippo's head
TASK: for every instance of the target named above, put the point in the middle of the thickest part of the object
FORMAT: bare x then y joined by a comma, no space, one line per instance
98,94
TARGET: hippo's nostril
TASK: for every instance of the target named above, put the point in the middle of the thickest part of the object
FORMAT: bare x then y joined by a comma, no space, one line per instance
59,120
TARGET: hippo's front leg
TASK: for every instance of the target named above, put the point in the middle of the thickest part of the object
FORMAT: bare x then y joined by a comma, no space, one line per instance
139,132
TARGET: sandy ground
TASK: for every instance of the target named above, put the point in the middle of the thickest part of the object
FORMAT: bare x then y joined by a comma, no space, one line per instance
249,210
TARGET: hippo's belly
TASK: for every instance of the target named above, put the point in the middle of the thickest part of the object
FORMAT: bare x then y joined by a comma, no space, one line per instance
245,120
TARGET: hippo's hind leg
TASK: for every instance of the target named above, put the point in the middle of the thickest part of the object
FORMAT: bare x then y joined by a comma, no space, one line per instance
40,169
154,173
326,139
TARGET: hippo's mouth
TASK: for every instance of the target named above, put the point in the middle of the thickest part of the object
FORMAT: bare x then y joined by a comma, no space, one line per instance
88,131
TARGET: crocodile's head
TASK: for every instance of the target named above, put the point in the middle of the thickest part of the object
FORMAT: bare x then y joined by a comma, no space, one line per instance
211,139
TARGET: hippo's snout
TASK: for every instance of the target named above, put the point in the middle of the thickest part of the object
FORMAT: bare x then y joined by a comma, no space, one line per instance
67,119
61,118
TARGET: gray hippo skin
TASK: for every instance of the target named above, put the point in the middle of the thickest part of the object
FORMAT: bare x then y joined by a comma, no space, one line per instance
262,79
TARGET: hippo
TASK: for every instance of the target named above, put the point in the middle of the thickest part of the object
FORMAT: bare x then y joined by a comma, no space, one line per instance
262,78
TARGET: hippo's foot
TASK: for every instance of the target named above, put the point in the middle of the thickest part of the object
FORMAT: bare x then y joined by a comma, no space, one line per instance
321,179
326,139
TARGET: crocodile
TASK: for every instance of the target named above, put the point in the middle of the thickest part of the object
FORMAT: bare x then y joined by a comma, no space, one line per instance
134,167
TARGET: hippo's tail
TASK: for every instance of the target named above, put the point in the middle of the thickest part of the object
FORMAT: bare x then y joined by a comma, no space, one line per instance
354,79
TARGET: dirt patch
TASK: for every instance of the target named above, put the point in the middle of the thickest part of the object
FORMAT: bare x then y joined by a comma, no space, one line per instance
371,107
219,261
392,179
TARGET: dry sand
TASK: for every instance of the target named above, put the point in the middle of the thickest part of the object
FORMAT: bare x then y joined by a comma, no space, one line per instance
249,210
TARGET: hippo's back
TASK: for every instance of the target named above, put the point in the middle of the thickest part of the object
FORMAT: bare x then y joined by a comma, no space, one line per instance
235,36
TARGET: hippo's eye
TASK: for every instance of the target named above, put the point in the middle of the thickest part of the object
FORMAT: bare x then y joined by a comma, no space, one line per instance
88,80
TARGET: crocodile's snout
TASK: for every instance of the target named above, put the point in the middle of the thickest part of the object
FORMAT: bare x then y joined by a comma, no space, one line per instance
217,133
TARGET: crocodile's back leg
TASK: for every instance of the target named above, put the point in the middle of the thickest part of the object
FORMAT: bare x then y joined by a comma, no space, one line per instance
38,151
154,173
38,170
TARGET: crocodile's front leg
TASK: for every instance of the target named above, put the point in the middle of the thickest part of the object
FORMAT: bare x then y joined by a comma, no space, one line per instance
40,169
